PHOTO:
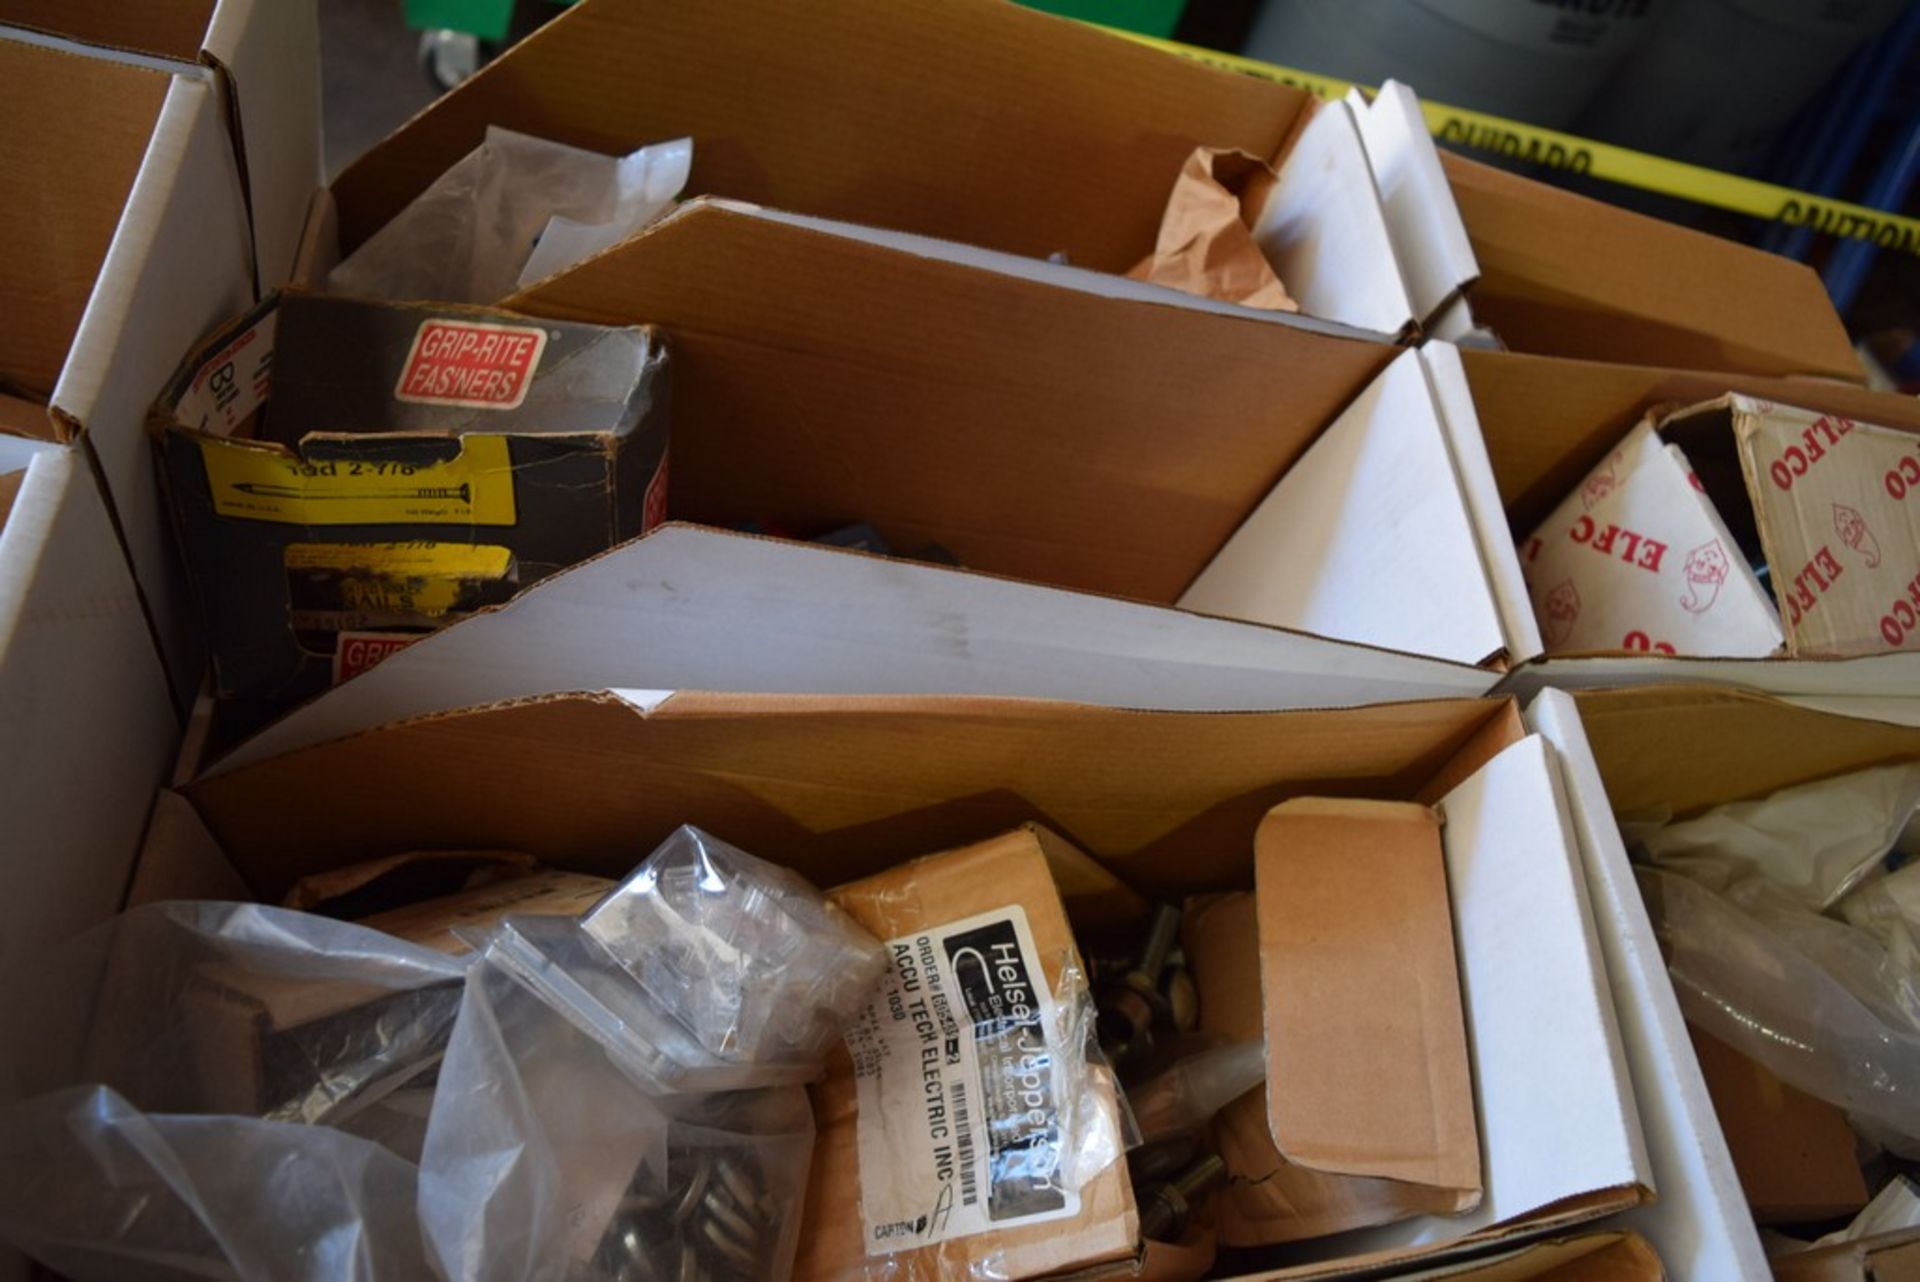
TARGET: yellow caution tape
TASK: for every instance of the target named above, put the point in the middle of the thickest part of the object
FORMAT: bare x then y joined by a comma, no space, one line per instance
1534,145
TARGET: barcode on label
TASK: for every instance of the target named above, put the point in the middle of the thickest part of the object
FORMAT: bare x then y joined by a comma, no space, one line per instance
963,1127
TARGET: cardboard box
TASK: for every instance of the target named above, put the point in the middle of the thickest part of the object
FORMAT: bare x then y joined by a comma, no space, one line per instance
876,1172
1367,1116
90,726
837,788
1667,539
1686,748
266,57
346,475
1546,424
107,276
1795,1155
1018,132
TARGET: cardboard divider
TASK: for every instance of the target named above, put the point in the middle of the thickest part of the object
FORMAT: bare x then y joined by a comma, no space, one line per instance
55,231
1072,440
168,28
1566,275
981,122
692,608
1684,748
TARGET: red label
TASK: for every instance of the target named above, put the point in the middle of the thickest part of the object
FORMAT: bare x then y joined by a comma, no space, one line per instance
1808,586
355,652
1797,460
480,366
653,508
1611,540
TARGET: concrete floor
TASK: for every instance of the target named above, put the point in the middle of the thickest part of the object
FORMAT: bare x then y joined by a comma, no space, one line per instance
371,80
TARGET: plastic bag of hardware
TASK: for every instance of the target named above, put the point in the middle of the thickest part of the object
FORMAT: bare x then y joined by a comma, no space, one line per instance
1822,1003
198,1086
1817,840
557,1151
597,1061
748,958
514,210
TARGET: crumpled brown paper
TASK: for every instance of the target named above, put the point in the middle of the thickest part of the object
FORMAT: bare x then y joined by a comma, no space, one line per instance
1206,242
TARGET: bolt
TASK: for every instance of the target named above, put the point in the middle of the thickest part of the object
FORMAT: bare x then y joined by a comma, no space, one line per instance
1162,932
1165,1207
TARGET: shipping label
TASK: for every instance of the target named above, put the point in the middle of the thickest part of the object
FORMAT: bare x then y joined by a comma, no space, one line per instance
957,1064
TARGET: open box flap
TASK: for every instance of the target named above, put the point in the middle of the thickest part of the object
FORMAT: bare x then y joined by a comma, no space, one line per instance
1559,1132
589,782
1366,1060
1367,537
1572,276
1429,239
979,121
57,218
1080,441
1325,233
692,608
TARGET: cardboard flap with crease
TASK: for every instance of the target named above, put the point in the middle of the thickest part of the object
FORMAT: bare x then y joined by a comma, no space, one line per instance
1429,238
1566,275
1367,1060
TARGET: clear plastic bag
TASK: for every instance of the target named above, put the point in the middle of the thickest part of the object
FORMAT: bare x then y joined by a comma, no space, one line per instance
512,211
747,957
604,1113
1817,840
186,1078
1822,1003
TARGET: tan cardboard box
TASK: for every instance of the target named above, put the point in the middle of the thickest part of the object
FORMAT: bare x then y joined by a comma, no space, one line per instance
871,1174
1657,545
839,787
1688,748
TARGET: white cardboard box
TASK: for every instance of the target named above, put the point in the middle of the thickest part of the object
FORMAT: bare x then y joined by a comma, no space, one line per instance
166,252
